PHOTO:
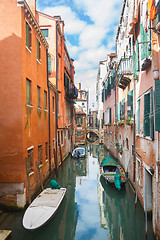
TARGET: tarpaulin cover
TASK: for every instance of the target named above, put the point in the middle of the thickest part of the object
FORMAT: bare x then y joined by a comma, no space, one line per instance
108,162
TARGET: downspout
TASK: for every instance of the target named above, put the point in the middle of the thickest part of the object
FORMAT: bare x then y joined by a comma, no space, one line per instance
56,100
134,128
49,114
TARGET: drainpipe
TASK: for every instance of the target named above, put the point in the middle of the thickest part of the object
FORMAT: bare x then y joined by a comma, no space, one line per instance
56,99
49,114
134,129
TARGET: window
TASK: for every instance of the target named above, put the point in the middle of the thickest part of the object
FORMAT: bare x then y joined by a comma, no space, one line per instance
118,111
38,50
148,119
130,104
45,32
40,154
30,160
28,36
62,137
49,64
68,134
58,138
53,104
79,134
28,91
38,96
157,105
79,120
127,143
45,100
46,150
138,116
82,104
123,109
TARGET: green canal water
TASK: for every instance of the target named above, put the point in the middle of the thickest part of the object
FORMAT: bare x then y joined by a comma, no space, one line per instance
91,209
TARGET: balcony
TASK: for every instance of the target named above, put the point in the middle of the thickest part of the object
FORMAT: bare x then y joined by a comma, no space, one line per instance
71,92
124,72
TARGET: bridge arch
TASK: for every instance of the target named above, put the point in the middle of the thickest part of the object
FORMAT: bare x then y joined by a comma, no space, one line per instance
92,135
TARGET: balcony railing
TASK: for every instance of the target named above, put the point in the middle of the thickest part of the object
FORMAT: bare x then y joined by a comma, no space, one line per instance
124,71
71,92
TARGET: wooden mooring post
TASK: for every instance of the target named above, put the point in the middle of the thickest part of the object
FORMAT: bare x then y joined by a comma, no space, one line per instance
61,156
39,173
28,182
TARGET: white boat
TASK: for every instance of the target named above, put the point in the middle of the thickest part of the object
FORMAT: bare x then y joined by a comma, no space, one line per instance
43,208
79,152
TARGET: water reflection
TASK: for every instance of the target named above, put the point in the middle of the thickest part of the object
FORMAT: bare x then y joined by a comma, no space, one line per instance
91,209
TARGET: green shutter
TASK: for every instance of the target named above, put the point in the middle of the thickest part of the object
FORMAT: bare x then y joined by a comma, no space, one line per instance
139,116
130,104
76,120
49,64
157,105
102,95
45,100
145,44
123,109
38,96
136,60
110,114
146,120
38,50
28,91
27,35
81,120
118,111
151,115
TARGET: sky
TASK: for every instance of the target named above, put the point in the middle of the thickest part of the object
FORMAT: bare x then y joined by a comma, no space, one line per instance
90,31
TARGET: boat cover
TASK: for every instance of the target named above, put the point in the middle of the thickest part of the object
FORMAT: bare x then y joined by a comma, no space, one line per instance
108,162
117,181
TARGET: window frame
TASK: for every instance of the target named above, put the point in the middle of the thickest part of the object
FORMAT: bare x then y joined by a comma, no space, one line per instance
28,97
28,36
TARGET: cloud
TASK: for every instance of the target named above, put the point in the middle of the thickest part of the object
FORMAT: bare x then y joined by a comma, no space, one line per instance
73,25
90,30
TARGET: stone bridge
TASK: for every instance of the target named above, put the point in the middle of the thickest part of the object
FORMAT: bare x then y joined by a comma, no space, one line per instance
92,135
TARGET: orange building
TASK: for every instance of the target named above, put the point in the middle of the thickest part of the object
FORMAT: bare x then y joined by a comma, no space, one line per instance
24,91
37,88
61,75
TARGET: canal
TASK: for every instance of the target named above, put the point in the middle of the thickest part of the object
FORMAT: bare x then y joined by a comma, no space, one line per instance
91,210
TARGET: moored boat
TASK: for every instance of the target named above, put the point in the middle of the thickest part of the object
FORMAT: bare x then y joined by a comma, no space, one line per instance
112,173
79,152
43,208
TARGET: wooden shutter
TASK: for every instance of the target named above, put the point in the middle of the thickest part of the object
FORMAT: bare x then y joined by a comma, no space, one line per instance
146,119
118,111
49,64
27,35
130,104
139,116
110,112
102,95
123,108
28,91
151,115
157,105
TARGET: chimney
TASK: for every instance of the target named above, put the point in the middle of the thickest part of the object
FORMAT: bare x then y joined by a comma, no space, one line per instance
32,5
79,86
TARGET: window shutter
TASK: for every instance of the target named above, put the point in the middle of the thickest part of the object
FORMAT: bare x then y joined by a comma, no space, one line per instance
110,112
139,116
81,120
76,119
123,108
118,111
102,95
49,64
151,115
27,35
28,91
146,120
157,105
130,104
